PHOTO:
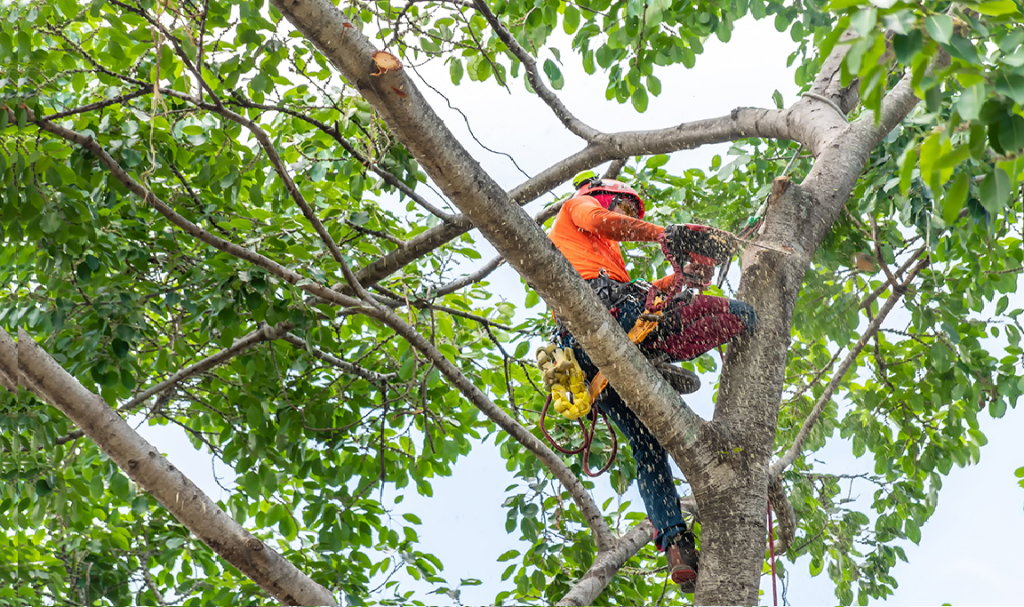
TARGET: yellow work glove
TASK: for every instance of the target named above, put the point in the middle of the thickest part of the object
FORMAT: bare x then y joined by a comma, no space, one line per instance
565,379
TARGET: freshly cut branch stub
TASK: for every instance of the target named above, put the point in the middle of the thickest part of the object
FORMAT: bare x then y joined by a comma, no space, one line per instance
385,62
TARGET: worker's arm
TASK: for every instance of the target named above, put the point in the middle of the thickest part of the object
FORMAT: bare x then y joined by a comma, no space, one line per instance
588,215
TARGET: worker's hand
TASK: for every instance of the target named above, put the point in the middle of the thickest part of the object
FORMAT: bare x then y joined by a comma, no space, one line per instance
698,274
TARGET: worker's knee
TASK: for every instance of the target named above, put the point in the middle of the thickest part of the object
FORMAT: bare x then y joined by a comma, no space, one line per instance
745,312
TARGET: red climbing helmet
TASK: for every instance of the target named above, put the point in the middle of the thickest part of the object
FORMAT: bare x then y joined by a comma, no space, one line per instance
588,184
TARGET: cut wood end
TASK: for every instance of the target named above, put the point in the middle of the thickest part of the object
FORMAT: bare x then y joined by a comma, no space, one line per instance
779,187
385,62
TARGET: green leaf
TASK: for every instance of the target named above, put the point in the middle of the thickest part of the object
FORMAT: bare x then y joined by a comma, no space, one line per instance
656,161
119,486
777,98
995,8
995,191
997,408
522,349
913,531
961,48
1011,85
940,28
408,366
953,158
554,74
119,347
955,198
570,19
287,527
971,100
907,47
863,21
50,223
68,7
455,69
654,85
1011,133
639,99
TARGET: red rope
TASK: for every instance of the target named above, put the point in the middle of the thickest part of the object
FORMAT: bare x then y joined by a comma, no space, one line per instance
771,549
588,437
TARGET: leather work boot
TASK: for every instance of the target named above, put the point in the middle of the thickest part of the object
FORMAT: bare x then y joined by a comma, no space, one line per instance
682,557
682,380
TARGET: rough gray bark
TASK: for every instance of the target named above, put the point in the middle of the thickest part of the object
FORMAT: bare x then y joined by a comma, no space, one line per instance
144,464
8,363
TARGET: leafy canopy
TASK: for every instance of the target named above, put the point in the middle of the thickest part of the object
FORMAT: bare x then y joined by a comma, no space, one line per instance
123,299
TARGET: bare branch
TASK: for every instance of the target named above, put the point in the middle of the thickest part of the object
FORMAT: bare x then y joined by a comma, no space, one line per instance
573,124
260,335
386,175
99,104
282,171
469,279
591,512
289,276
347,367
790,456
143,463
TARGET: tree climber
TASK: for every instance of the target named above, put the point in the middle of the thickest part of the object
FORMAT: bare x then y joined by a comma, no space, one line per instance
588,230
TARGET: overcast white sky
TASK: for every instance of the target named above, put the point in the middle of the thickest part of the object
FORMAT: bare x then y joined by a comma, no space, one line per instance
970,550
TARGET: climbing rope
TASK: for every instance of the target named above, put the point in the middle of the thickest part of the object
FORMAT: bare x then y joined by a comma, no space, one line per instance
588,437
771,550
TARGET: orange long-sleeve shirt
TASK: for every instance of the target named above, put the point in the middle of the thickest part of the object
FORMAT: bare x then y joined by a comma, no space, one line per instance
589,235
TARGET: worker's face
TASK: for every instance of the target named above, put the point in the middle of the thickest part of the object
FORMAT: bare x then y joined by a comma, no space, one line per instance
624,206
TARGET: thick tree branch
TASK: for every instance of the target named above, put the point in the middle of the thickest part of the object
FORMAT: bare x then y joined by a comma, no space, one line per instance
141,461
794,450
606,564
573,124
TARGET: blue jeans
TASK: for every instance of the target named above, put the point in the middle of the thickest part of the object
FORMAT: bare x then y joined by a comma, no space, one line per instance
654,475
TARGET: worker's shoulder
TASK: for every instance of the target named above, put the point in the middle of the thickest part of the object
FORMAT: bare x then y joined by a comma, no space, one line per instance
579,200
